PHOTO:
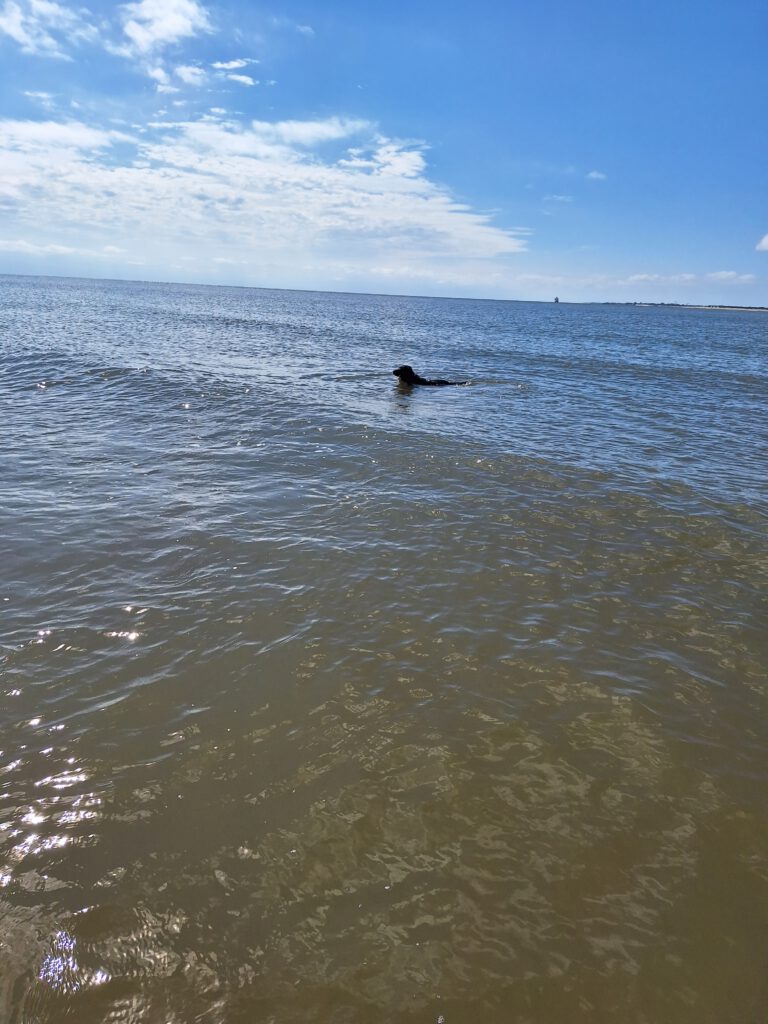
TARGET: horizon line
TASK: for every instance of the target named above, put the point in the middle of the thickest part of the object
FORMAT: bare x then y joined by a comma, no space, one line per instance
391,295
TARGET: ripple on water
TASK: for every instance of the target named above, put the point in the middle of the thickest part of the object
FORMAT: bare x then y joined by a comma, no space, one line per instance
322,703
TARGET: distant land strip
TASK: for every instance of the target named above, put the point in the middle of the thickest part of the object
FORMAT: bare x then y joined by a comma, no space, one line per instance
690,305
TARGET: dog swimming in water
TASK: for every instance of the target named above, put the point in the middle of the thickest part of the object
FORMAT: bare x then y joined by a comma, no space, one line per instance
408,377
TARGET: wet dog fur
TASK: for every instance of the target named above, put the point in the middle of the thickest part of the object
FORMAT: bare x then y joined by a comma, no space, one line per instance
410,378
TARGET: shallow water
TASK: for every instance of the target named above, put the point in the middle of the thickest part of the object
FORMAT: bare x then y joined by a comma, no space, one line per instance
328,702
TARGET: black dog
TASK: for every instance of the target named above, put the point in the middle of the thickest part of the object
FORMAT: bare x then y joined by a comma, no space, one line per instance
409,378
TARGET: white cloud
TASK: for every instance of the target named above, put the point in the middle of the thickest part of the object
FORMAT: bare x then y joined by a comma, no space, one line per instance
233,65
151,25
256,196
190,74
762,245
558,199
45,28
718,276
731,277
596,176
34,249
27,248
391,159
243,79
309,133
48,136
45,99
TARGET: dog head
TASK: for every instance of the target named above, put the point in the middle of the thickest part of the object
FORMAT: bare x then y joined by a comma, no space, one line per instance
406,375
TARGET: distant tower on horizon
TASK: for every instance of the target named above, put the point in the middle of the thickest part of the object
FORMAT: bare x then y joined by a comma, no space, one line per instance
556,299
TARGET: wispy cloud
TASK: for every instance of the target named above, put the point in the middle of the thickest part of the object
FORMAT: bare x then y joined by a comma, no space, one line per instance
45,28
243,79
308,133
558,199
719,276
233,65
387,158
49,136
293,26
27,248
139,31
596,176
45,99
152,25
762,245
190,74
33,249
731,277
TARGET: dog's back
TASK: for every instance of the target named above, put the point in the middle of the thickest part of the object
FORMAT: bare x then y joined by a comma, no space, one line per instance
408,376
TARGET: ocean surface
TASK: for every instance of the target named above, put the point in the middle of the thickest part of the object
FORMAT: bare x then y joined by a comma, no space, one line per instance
327,702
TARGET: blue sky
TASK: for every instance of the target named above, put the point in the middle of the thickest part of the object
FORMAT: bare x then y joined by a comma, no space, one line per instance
597,151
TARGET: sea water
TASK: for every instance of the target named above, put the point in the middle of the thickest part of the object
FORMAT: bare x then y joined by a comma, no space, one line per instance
327,701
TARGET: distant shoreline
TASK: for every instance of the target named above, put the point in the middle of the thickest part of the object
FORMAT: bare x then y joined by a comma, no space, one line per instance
738,309
690,305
